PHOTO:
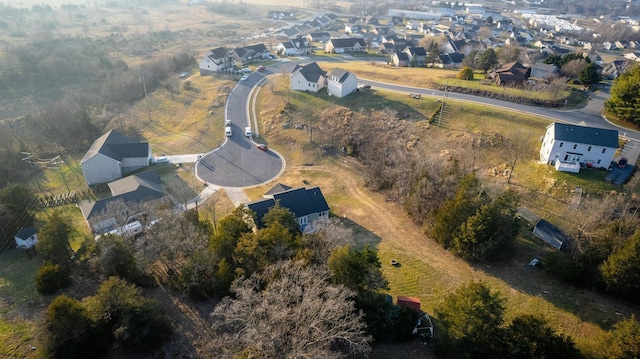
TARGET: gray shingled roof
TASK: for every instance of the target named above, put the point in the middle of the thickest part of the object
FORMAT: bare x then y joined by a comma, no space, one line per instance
115,145
340,74
350,42
587,135
311,72
138,188
218,53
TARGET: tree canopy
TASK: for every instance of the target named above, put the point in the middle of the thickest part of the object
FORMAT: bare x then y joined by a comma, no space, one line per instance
53,240
625,96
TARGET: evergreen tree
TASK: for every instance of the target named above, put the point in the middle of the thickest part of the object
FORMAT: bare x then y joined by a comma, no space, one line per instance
621,271
625,96
53,240
487,60
623,341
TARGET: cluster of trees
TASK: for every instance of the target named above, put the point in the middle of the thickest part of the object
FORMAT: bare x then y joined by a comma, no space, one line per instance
607,249
471,325
18,206
317,294
474,226
574,65
625,96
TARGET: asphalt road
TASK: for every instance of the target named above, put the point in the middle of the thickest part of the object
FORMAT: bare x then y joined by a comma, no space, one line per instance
238,162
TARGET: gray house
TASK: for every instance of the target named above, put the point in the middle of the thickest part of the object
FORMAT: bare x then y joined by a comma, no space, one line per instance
307,205
112,155
129,196
26,238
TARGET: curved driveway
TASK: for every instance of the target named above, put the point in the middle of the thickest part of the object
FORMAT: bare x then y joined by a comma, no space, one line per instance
238,163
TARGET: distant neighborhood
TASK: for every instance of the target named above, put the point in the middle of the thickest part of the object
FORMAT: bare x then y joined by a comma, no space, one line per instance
404,38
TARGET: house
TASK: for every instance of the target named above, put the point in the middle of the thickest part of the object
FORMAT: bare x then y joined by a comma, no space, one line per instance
318,36
400,59
351,44
242,56
112,155
615,68
298,46
26,238
280,15
214,61
351,28
450,61
542,71
341,83
568,147
417,55
550,234
307,206
286,34
129,196
308,77
510,74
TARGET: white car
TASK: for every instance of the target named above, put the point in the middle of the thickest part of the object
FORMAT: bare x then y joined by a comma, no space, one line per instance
247,131
244,78
161,160
246,70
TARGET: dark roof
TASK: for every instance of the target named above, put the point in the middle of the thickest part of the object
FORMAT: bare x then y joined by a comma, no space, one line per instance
452,58
279,187
300,201
512,72
312,72
417,51
137,188
587,135
288,45
331,16
402,56
115,145
26,233
550,234
350,42
218,53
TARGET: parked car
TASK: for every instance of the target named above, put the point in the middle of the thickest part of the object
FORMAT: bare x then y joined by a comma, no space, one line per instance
161,160
246,70
262,147
260,68
243,78
183,75
247,131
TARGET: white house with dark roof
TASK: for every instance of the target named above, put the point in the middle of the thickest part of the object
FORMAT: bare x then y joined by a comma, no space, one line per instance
567,147
214,61
112,155
309,77
341,83
26,238
306,204
352,44
129,196
297,46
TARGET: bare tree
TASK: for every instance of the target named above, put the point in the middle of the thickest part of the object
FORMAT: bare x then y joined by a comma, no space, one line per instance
298,314
330,236
573,67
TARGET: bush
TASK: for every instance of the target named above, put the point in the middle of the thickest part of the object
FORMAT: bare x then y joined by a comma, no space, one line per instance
52,277
465,74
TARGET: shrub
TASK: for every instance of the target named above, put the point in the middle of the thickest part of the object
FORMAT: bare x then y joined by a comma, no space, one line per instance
52,277
465,74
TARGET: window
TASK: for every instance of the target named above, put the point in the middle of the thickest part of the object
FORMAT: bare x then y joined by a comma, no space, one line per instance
575,146
604,150
561,143
589,149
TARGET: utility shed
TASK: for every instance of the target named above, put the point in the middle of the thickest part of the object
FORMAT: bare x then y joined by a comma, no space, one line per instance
550,234
411,302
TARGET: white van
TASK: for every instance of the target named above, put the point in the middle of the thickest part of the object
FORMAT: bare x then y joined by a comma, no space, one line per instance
227,122
227,131
247,131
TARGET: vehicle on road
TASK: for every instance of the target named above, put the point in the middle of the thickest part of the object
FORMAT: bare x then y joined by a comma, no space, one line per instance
262,147
227,131
364,87
227,122
161,160
260,68
183,75
244,78
246,70
247,131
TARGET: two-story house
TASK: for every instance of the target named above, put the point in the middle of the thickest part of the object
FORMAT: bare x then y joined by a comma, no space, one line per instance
568,147
309,77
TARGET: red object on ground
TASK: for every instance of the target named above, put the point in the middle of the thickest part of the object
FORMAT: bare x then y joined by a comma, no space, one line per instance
411,302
